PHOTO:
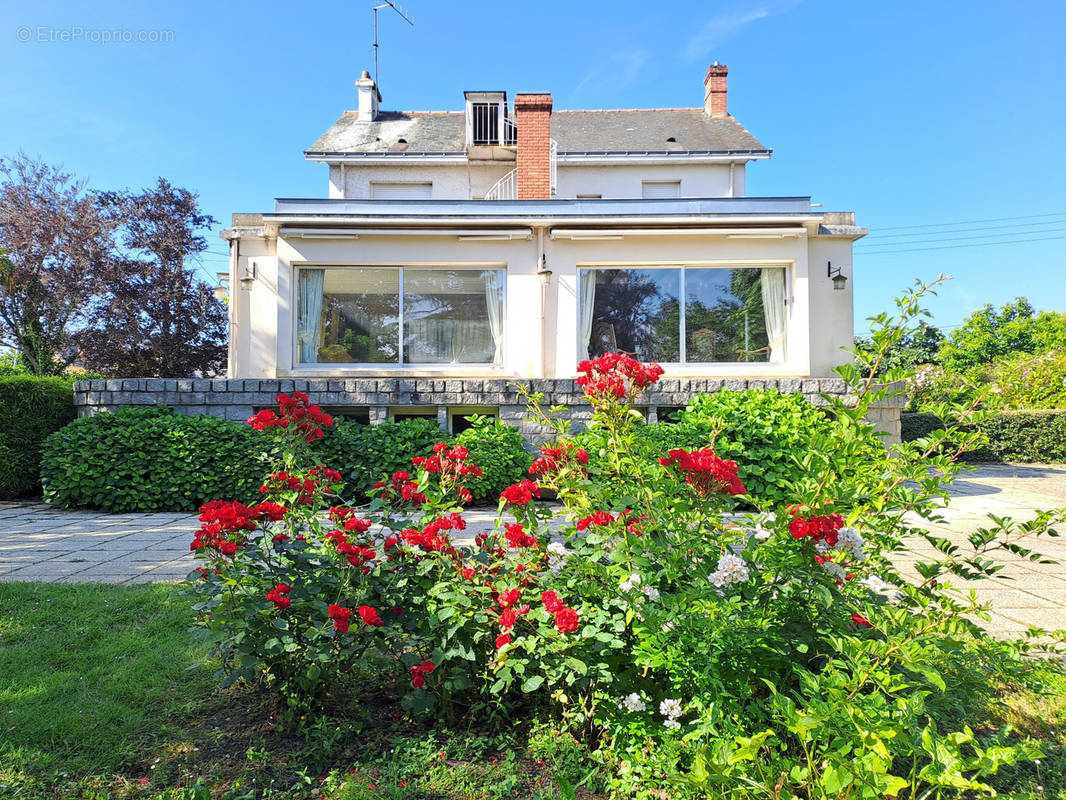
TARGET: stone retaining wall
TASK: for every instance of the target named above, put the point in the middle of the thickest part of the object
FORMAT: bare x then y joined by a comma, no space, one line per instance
238,399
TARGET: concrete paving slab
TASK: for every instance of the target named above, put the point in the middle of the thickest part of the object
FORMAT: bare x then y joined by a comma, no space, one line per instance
46,544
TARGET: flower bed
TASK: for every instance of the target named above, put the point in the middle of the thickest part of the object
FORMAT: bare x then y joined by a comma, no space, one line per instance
775,653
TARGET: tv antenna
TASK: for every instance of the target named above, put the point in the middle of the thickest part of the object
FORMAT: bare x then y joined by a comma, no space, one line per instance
399,10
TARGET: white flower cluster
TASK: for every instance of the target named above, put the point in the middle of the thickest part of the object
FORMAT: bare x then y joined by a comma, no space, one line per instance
630,583
731,569
875,583
633,703
651,593
835,570
763,525
557,555
671,709
851,540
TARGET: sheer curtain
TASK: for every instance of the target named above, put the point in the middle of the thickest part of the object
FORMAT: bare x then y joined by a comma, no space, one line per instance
586,299
309,308
494,301
773,306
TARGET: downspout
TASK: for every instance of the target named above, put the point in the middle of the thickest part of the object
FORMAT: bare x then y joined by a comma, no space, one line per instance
543,320
732,168
234,339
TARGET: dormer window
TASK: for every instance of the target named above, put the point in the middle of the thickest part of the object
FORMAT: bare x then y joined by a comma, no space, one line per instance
487,122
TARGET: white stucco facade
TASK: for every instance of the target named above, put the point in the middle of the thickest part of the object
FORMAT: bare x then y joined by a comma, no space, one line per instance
649,190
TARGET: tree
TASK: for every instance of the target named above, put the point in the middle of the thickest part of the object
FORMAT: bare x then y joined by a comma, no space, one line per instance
56,244
988,334
920,346
155,318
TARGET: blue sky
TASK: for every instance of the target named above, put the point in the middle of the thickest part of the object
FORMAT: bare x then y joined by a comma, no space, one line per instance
920,116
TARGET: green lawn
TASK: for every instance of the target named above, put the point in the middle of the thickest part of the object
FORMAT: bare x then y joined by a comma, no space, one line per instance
97,701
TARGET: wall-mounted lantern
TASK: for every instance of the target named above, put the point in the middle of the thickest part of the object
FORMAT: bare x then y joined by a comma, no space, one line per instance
838,277
543,272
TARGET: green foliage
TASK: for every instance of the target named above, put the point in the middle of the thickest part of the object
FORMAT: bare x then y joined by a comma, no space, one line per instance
1030,436
989,334
764,432
366,454
915,426
922,346
1027,381
501,453
31,408
773,654
150,459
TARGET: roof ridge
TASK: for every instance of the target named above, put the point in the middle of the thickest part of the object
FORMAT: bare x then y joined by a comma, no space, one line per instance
614,110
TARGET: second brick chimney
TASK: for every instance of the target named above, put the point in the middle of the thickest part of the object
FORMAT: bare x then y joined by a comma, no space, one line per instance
715,90
533,113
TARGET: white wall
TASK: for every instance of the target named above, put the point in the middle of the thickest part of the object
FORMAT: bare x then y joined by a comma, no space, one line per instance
450,182
467,181
616,182
832,323
820,318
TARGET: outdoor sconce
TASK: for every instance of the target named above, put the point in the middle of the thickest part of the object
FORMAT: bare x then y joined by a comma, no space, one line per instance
248,275
222,290
838,277
543,272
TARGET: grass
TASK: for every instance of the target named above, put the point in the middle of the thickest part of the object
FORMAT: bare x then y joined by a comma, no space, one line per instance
97,702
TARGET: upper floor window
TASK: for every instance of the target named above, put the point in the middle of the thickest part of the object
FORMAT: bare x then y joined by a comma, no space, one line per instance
400,315
684,315
487,122
656,190
400,191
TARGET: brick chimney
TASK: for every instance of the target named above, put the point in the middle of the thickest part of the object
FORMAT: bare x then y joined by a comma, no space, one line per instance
715,90
533,114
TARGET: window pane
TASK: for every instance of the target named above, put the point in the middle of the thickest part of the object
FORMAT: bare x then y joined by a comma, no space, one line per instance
636,311
452,316
725,319
360,316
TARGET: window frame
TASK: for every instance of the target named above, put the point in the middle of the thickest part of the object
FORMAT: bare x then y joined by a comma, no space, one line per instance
786,265
399,365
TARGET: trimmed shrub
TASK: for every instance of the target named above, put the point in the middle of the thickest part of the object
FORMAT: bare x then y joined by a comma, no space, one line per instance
365,454
919,425
31,408
501,453
1031,436
151,459
763,431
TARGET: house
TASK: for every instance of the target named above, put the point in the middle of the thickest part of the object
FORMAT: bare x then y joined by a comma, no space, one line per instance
456,252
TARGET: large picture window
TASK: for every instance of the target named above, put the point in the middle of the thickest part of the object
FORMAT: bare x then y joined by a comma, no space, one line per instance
684,315
400,315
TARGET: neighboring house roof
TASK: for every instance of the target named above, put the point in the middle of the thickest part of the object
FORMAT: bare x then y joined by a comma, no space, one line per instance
577,132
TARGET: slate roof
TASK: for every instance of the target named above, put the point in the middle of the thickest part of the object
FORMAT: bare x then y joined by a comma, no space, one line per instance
577,132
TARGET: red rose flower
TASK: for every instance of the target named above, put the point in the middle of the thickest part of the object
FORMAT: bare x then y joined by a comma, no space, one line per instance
551,601
858,620
340,617
566,620
503,640
370,616
507,619
510,597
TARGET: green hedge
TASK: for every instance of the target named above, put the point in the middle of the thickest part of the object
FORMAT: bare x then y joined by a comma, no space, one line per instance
918,425
31,408
501,453
762,431
365,454
151,459
1031,436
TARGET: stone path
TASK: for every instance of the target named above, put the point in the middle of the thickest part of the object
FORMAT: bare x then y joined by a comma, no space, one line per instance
38,543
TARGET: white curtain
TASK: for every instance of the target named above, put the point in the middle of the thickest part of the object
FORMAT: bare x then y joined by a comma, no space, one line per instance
309,306
442,341
773,306
586,291
494,301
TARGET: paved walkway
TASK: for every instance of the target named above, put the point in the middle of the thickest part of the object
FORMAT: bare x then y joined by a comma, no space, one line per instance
38,543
